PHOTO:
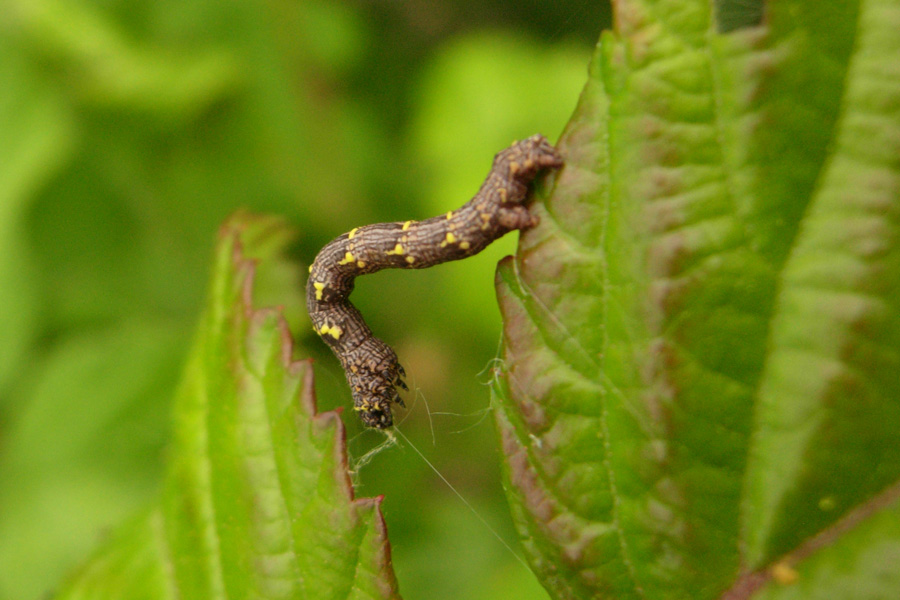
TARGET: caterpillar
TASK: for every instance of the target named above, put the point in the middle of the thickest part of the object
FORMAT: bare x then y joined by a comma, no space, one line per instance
370,365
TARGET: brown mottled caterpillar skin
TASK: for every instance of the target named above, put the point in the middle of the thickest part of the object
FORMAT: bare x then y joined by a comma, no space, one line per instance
371,366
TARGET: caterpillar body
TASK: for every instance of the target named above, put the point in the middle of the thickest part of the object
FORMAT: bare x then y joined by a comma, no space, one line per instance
371,366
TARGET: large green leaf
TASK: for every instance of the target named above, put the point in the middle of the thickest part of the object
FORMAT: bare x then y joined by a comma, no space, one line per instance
257,501
700,395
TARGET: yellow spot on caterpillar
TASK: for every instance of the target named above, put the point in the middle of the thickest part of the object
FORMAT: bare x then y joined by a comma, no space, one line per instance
354,368
513,168
448,240
502,193
464,245
319,287
485,217
398,250
310,268
404,239
406,225
361,264
449,214
348,258
332,330
410,259
352,233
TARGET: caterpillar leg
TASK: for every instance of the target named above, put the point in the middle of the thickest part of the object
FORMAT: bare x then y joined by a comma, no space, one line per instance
524,159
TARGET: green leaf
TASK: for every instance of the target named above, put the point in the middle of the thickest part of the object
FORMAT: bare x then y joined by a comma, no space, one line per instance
257,500
700,395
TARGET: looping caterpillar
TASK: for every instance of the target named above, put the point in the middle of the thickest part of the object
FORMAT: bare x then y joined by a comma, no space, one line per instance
371,366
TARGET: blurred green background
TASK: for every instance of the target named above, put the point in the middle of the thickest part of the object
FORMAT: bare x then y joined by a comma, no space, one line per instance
129,130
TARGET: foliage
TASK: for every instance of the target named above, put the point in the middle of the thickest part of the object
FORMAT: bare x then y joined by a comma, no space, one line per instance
700,395
257,500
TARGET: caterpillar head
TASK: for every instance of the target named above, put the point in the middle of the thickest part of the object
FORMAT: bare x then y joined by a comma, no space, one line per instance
374,376
377,413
